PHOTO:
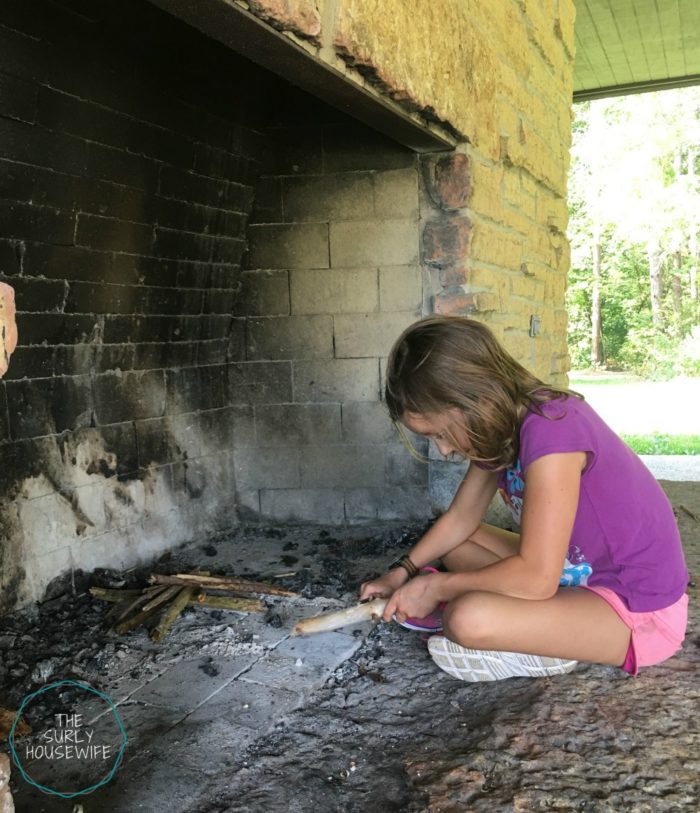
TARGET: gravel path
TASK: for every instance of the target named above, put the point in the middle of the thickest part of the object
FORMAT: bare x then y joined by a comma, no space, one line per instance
647,406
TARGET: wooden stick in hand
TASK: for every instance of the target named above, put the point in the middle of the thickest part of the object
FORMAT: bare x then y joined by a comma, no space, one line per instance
369,611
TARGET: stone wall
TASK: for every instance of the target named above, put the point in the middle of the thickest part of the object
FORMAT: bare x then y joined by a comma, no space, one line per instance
493,214
334,265
128,158
498,76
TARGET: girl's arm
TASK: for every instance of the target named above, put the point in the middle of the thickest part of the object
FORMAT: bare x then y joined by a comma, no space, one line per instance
461,519
552,485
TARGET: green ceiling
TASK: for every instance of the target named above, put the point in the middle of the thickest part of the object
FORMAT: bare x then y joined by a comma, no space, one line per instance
627,46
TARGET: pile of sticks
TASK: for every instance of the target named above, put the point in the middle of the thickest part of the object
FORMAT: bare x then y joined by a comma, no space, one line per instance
169,595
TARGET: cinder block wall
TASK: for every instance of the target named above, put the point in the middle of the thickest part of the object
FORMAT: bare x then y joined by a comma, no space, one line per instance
497,75
334,264
129,147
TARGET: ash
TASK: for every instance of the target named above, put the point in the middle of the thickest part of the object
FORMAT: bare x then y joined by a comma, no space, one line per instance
388,731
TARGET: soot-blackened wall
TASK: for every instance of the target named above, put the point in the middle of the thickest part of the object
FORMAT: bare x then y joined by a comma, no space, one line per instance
129,148
178,371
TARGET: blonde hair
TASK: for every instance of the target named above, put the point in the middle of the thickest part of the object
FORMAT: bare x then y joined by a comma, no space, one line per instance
446,362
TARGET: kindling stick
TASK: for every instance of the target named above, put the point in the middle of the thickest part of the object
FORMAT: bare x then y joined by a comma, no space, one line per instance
174,609
369,611
221,583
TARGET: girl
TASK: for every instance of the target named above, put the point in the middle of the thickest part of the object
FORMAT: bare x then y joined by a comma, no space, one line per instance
597,571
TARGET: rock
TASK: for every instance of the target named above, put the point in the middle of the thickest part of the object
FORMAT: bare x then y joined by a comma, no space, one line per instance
6,803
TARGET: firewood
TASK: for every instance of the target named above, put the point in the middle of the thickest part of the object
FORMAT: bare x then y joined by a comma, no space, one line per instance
176,607
229,583
370,611
201,600
146,595
248,605
162,598
134,621
109,594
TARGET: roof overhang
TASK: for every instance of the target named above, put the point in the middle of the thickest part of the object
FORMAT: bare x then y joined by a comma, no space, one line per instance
631,46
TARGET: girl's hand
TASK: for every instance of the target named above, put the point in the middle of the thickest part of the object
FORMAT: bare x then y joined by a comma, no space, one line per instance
416,599
384,587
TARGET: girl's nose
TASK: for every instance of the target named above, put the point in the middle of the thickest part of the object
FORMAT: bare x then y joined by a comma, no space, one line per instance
444,447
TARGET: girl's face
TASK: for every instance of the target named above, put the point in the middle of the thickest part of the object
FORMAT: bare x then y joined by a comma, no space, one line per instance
445,429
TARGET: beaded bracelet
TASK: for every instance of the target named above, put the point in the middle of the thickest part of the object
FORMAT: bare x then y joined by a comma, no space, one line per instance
406,563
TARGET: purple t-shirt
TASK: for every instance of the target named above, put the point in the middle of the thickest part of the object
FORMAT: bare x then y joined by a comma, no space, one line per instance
625,535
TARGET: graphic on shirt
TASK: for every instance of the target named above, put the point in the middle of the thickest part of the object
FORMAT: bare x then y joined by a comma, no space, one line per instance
512,487
577,570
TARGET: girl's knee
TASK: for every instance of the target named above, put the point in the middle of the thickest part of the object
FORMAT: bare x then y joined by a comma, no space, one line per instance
470,620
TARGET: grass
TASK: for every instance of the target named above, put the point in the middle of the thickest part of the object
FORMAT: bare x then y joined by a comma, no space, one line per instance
661,443
602,381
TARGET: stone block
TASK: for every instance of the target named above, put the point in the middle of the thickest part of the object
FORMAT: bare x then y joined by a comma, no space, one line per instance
404,502
336,380
290,337
396,194
243,703
333,291
448,180
369,334
129,396
401,288
402,469
295,149
260,382
262,293
326,649
338,466
344,196
367,423
373,243
446,240
456,303
267,205
192,388
444,480
188,684
454,275
205,485
248,503
387,504
301,245
303,505
379,152
303,663
296,424
144,721
267,468
497,247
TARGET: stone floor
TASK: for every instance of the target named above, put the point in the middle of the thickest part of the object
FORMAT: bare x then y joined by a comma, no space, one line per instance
231,713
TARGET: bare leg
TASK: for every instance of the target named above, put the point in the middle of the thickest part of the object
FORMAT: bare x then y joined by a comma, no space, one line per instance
575,624
485,546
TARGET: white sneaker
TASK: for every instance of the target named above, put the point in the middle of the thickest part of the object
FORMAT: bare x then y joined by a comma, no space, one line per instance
475,665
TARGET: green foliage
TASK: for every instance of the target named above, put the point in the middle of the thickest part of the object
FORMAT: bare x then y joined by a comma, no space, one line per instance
658,443
634,191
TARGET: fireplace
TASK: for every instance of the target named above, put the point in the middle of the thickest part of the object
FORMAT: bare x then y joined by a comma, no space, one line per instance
210,266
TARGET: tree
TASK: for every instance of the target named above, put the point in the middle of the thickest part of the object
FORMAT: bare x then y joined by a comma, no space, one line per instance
634,193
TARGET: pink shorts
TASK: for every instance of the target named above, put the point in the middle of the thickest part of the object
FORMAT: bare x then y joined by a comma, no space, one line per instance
656,635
